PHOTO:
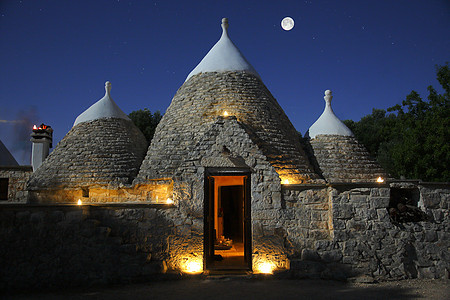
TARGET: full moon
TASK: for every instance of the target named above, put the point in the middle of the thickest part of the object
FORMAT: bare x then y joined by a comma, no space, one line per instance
287,23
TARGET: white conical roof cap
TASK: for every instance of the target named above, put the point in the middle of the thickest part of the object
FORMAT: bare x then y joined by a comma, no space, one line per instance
103,108
328,123
224,56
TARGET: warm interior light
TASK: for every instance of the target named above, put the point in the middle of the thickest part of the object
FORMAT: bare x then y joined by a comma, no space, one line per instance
225,114
265,267
192,266
169,201
79,202
286,181
380,180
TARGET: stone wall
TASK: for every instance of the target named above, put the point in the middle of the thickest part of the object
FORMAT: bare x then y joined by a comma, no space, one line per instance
364,241
316,231
68,245
17,178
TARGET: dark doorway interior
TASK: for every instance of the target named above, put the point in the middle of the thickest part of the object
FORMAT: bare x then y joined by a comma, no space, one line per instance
4,182
231,205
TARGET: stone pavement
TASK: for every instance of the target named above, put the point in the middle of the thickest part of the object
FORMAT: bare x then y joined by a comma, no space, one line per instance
241,288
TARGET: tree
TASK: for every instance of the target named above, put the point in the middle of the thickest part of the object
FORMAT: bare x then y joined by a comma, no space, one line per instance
411,140
146,121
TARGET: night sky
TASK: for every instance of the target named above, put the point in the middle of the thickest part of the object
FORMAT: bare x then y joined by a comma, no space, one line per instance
56,55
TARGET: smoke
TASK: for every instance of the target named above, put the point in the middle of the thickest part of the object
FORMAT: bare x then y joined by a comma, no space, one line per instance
21,128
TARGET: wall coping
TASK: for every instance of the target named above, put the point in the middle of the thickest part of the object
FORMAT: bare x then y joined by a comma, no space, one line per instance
88,205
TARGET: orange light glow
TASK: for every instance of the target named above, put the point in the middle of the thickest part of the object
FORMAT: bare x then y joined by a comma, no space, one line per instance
225,114
169,201
265,267
192,266
380,180
286,181
79,202
35,127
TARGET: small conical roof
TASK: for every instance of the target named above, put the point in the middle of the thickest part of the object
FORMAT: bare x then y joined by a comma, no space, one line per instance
224,56
103,108
337,153
6,158
328,123
103,148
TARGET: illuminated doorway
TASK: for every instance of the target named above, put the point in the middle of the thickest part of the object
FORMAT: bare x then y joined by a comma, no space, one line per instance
227,242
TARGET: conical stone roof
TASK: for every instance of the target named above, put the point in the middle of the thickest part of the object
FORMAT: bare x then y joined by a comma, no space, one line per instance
209,93
6,158
101,151
338,154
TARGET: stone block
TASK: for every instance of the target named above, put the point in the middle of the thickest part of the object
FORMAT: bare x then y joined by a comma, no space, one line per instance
431,236
380,202
343,211
383,214
331,256
431,200
308,254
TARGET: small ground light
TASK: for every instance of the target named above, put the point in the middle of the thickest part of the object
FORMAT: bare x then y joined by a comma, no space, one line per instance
380,180
225,114
193,267
79,202
266,268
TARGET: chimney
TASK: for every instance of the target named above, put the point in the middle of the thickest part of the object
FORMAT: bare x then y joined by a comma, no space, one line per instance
41,137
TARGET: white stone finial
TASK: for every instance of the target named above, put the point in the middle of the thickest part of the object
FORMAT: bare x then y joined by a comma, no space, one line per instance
328,97
108,87
225,25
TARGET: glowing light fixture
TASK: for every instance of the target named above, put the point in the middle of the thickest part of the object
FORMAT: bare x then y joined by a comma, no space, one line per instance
35,127
380,180
169,201
225,114
286,181
265,267
79,202
192,266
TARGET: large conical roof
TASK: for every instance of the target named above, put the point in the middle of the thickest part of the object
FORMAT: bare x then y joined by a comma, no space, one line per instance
210,93
101,151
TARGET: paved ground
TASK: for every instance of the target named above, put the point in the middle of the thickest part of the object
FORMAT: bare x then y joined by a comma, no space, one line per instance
229,288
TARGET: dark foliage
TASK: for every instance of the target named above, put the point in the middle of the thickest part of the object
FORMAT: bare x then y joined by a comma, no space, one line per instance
411,140
146,121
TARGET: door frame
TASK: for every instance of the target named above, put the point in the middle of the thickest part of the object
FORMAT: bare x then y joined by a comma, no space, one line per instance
208,217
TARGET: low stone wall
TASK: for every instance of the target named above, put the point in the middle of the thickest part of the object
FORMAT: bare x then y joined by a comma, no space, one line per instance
17,179
69,245
366,242
316,231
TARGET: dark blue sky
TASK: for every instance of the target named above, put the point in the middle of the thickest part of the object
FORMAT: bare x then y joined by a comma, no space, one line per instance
56,55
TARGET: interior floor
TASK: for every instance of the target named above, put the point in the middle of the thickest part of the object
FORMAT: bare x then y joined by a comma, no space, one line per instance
230,259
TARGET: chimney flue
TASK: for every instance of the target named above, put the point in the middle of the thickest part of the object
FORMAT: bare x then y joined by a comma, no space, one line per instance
41,137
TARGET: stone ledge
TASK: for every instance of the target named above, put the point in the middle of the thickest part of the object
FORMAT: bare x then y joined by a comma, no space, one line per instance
94,205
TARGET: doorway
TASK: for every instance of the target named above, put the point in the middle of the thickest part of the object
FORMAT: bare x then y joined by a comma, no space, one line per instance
227,241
